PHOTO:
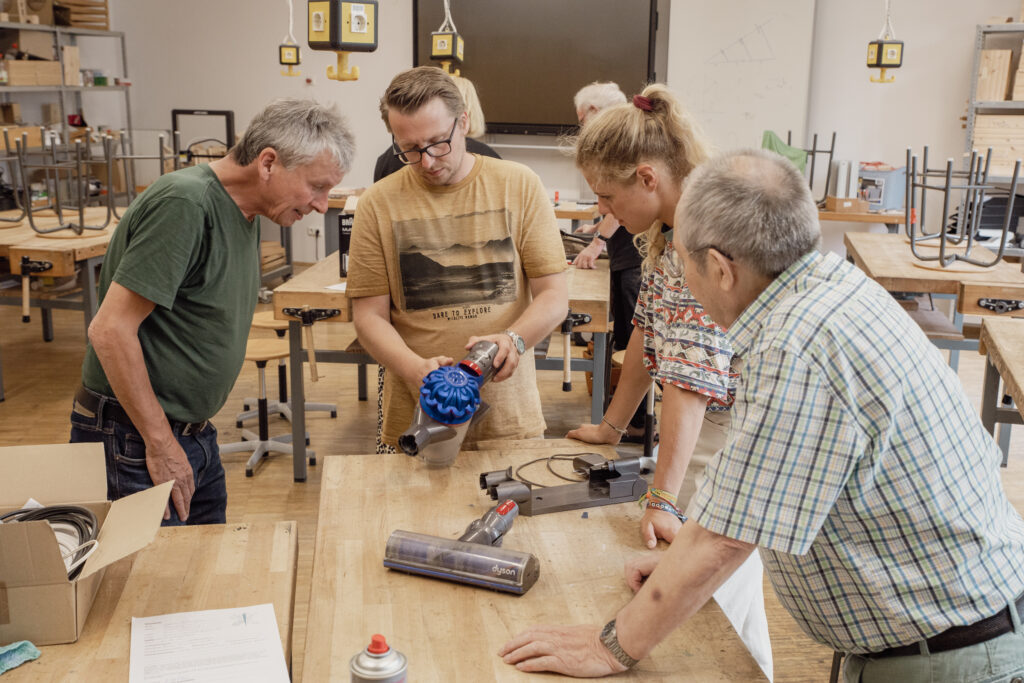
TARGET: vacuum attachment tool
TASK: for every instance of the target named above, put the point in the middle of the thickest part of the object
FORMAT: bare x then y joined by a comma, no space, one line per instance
475,559
449,403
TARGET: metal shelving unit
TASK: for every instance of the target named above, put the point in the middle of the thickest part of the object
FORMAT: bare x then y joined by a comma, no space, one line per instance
974,106
67,35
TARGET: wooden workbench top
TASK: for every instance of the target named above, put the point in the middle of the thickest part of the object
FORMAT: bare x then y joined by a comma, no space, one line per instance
452,632
867,217
887,258
1003,340
588,292
63,249
184,569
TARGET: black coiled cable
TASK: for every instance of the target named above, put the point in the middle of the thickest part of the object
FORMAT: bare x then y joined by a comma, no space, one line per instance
81,519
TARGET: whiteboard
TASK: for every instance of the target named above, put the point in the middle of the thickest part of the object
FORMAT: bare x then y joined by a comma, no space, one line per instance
743,66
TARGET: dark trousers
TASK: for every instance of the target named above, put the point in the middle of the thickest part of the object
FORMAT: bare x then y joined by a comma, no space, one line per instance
126,461
625,286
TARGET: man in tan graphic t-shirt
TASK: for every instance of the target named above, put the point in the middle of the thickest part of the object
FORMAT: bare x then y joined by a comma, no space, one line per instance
452,249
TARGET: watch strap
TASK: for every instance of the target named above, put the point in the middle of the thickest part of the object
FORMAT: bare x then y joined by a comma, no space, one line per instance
599,236
517,341
610,639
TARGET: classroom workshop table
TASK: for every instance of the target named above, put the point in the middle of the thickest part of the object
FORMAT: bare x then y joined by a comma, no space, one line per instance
887,259
891,221
184,569
452,632
588,294
1002,344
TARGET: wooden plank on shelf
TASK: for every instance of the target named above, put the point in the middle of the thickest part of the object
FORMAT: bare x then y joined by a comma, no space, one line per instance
1004,133
993,75
89,14
1018,81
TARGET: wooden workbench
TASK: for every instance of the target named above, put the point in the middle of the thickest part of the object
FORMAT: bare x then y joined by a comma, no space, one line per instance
892,221
588,293
184,569
452,632
1002,343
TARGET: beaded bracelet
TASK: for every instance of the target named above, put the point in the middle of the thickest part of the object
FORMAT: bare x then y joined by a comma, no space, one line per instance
662,493
654,500
621,432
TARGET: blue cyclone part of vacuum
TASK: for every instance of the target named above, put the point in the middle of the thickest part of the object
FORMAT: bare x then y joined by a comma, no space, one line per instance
450,395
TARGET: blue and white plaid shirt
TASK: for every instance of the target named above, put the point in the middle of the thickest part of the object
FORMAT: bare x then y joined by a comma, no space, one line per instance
857,465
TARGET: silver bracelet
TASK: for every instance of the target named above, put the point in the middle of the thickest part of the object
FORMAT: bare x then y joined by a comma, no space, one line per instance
622,432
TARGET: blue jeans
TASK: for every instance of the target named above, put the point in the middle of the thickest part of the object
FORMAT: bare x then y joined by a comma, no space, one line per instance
999,660
126,462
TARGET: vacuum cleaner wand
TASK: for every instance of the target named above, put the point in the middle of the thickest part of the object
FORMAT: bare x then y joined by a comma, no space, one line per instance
474,559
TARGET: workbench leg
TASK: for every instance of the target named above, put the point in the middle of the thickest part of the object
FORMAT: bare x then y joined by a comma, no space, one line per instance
954,354
90,297
600,362
298,400
1,378
362,381
989,404
46,315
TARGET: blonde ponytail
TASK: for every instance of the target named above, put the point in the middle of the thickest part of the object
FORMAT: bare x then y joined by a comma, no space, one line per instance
655,126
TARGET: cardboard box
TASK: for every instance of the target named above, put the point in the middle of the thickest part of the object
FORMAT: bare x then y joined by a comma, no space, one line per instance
35,43
33,72
845,204
10,113
38,601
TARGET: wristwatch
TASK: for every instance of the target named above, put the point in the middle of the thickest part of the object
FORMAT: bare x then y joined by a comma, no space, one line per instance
599,236
517,341
611,641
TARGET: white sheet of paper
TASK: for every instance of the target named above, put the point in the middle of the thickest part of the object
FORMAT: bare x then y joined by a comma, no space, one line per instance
741,598
241,644
340,287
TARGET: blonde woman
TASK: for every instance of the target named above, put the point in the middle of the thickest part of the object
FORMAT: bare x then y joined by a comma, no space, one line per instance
635,157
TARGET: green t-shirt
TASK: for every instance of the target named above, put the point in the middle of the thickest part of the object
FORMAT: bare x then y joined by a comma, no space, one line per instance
186,246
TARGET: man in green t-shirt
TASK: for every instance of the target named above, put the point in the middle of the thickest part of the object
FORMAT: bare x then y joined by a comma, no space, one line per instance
177,293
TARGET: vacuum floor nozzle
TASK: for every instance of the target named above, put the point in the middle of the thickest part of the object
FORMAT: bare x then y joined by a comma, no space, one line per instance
509,571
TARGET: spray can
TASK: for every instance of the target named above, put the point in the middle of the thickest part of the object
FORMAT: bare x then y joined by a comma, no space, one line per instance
379,663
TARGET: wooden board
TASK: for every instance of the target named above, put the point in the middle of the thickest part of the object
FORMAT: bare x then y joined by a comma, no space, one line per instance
1004,133
1018,83
993,75
866,217
1003,340
452,632
184,569
888,260
970,293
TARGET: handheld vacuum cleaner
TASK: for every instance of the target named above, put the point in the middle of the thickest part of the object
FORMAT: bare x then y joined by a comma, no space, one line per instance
475,559
449,404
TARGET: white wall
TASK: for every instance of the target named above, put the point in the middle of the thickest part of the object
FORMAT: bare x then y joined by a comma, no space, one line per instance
222,54
923,106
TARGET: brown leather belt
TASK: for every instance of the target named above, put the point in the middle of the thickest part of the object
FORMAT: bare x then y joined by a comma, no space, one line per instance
112,410
960,636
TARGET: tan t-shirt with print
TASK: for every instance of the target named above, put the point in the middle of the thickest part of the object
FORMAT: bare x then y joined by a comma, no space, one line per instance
455,261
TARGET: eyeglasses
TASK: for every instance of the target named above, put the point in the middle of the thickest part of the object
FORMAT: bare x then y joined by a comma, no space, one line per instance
710,246
435,150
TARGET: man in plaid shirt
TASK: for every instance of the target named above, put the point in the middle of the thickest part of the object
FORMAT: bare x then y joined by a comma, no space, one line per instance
854,463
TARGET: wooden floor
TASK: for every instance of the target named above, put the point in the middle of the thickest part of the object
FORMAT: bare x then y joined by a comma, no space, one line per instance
40,379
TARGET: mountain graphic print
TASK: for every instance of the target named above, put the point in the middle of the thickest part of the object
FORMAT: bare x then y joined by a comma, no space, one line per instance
456,260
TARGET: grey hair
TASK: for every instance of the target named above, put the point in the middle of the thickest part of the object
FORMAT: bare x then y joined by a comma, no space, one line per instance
598,95
754,206
299,130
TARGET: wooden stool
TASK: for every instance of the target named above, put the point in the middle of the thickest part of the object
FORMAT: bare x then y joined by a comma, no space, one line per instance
265,320
262,351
